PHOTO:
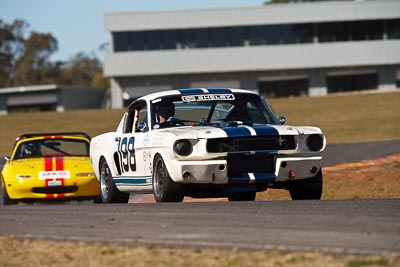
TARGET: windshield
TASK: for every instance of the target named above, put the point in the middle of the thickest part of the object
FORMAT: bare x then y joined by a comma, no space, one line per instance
213,109
52,148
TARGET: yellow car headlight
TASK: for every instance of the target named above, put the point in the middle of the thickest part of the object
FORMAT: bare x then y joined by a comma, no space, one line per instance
23,176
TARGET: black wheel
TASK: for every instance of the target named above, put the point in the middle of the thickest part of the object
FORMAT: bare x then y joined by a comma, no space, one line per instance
242,196
310,188
4,198
164,189
109,192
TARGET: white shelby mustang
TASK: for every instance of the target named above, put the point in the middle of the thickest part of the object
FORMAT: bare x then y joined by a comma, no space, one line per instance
215,142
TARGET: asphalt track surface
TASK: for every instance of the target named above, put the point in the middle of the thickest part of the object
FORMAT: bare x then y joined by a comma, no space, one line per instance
352,226
353,152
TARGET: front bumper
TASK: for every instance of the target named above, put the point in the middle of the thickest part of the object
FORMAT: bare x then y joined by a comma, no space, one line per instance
53,188
218,171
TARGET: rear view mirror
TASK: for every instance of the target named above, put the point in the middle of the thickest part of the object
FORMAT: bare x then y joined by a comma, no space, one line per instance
282,120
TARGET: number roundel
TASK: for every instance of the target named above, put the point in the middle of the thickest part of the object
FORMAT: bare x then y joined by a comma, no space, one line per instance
126,152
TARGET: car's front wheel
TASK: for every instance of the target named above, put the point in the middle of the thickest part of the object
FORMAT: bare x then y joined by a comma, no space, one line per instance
109,192
310,188
164,188
4,198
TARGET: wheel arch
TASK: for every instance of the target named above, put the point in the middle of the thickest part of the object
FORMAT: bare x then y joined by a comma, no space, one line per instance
167,163
166,190
156,155
111,165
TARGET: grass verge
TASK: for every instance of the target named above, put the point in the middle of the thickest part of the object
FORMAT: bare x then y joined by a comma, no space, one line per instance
35,253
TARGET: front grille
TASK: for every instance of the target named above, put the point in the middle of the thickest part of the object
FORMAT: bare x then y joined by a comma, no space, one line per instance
239,164
253,143
55,189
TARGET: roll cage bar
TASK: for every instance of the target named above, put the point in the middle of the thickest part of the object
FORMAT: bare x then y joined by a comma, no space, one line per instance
30,135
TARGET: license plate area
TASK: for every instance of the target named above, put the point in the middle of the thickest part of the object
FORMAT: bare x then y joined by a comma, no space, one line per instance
238,164
54,183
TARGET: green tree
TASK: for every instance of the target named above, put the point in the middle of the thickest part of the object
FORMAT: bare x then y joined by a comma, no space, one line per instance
84,70
11,49
26,61
34,64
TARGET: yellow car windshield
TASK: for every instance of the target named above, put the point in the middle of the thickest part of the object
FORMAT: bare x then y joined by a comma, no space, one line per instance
52,148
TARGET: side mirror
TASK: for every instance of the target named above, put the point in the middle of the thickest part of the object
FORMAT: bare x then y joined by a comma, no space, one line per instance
141,126
282,120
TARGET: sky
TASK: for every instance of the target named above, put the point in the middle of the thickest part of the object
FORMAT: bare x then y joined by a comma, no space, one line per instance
78,25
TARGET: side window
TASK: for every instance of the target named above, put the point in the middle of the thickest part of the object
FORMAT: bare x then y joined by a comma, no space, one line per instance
135,116
129,121
141,118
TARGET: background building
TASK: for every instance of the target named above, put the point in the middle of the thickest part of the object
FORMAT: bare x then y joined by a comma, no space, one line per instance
311,48
49,98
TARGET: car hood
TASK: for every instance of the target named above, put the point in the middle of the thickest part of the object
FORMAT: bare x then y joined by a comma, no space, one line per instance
240,130
35,165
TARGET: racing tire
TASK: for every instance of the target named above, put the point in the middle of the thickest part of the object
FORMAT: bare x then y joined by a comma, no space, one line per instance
109,193
4,198
310,188
164,188
242,196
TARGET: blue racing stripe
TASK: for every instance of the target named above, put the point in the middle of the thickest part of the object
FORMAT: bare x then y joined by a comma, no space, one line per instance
237,131
192,91
245,178
265,130
264,177
219,90
131,180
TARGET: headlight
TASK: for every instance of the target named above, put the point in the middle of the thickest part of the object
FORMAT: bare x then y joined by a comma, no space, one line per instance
315,142
183,148
24,176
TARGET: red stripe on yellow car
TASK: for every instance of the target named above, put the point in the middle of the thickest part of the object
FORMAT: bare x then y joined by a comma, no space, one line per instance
59,163
52,137
54,164
48,164
60,167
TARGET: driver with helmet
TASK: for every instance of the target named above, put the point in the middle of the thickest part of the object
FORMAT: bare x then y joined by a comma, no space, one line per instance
32,150
164,111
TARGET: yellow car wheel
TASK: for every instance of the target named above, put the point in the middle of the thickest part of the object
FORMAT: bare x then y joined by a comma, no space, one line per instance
4,198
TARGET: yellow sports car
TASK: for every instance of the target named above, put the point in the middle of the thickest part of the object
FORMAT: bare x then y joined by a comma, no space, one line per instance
49,166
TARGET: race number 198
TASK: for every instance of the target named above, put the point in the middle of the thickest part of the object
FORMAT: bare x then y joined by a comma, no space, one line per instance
126,154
